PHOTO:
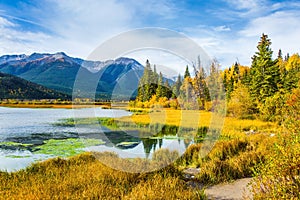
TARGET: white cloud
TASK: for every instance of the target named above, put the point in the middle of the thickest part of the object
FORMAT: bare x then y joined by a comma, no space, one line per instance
248,6
5,23
222,28
283,28
78,27
165,9
75,27
281,21
162,47
14,41
214,42
242,4
167,63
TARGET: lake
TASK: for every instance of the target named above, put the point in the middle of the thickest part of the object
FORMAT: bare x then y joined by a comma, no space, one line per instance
30,135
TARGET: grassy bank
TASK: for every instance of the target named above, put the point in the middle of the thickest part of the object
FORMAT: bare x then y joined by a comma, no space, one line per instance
48,103
85,177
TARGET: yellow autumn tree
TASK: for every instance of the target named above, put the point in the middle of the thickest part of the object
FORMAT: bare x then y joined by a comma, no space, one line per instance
241,104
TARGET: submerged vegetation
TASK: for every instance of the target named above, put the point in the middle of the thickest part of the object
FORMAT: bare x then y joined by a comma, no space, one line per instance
66,147
55,147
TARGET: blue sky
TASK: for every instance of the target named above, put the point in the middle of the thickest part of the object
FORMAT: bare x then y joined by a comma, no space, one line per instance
227,30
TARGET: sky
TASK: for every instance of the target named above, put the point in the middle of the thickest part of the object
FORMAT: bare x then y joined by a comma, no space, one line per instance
227,30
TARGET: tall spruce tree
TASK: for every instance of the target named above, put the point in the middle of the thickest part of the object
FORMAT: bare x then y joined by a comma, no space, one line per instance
167,92
159,90
153,81
265,74
200,87
215,82
176,87
236,72
144,92
187,72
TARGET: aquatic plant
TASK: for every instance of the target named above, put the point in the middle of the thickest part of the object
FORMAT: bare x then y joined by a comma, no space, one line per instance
66,147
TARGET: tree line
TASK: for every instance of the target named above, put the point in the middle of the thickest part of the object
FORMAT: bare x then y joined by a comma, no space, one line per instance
260,90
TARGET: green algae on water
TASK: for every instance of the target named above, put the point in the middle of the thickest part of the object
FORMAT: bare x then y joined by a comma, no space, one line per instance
67,147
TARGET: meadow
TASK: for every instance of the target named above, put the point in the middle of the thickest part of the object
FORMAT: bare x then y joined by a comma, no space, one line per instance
243,149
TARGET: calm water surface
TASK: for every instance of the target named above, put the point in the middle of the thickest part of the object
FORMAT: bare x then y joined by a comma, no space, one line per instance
36,126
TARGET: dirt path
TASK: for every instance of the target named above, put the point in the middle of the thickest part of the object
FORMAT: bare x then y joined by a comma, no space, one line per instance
235,190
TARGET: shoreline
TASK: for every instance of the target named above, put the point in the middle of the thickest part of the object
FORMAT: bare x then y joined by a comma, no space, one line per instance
54,106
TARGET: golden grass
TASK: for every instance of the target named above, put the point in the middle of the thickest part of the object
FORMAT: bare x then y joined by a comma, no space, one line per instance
186,118
84,177
232,127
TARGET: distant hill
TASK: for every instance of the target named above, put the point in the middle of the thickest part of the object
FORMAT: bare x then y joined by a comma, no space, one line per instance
58,71
12,87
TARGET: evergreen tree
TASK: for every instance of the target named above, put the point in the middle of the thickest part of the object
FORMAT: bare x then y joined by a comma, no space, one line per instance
153,81
147,76
225,81
246,78
186,90
287,57
155,75
279,54
176,87
167,92
265,74
187,72
199,85
214,82
159,90
144,93
230,87
236,72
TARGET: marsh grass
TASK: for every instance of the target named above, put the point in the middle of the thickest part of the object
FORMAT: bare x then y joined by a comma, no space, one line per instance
229,159
85,177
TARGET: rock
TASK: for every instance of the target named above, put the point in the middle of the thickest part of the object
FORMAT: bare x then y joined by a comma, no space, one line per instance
191,173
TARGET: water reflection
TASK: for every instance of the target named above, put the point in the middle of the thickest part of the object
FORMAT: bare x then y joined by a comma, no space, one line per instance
23,132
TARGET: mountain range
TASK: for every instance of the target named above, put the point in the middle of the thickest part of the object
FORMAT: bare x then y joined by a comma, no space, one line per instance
59,72
12,87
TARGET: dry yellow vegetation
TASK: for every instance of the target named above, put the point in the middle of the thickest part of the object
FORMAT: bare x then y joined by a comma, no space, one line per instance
234,155
85,177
